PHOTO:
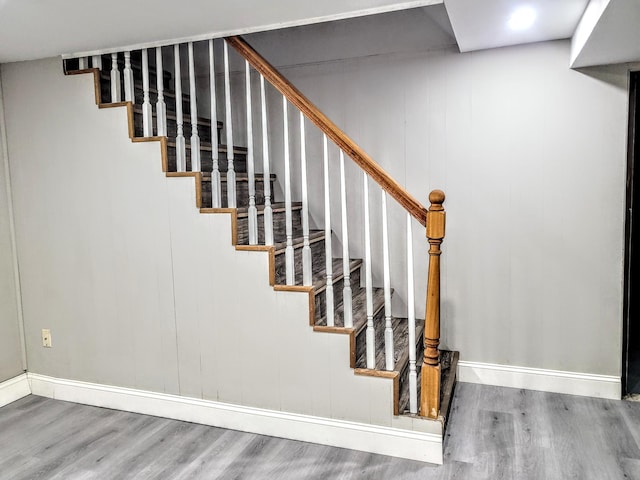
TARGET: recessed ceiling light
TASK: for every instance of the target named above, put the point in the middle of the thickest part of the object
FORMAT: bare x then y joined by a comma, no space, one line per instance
522,18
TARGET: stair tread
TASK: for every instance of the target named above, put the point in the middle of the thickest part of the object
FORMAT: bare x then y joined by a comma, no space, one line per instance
359,307
206,146
400,345
240,176
448,362
298,240
105,75
137,109
243,212
320,277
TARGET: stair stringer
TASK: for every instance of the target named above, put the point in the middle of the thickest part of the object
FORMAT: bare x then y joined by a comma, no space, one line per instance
210,326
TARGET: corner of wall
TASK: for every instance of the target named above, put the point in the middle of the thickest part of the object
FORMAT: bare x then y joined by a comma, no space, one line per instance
4,164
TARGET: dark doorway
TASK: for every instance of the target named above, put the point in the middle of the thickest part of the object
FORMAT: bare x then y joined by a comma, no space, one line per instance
631,340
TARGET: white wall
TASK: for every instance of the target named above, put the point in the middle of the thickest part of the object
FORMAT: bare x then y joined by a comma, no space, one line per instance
10,350
532,157
141,290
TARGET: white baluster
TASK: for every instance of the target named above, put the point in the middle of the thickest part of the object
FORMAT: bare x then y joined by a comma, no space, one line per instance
346,262
116,94
388,327
288,253
306,248
82,63
181,148
252,212
371,332
268,212
161,107
216,189
129,92
147,113
411,320
195,138
231,173
327,238
96,61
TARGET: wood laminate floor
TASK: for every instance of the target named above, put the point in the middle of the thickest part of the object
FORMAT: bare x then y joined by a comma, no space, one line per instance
495,433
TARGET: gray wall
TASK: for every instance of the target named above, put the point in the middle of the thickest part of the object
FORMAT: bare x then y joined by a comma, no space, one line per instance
141,290
10,350
530,153
532,157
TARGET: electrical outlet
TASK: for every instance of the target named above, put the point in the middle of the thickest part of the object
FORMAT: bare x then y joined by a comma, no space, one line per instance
46,338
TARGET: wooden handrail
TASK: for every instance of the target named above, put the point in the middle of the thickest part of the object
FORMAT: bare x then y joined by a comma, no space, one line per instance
330,129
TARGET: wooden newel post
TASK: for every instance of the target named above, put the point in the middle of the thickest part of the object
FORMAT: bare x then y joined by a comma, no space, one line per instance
430,393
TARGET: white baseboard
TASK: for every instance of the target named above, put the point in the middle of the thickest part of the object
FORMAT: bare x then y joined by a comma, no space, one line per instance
426,447
14,389
601,386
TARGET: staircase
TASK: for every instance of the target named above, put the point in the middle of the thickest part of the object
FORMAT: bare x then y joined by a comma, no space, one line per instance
370,304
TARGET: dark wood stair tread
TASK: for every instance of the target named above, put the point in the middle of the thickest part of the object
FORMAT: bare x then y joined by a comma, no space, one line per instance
320,278
400,345
240,177
168,93
449,369
137,109
206,147
359,304
243,212
448,365
298,241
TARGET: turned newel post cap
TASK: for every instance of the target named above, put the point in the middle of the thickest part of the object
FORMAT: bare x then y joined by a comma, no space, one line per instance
435,215
436,197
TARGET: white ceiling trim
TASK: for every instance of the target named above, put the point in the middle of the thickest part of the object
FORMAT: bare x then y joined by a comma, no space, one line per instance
588,22
480,25
607,34
260,28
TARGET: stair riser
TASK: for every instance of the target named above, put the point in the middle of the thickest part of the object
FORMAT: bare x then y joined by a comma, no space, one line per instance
279,226
204,126
242,193
204,130
317,263
206,163
338,286
169,98
136,67
169,95
361,338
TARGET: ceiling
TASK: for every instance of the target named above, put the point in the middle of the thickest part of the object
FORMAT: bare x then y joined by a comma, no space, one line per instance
31,29
602,31
608,33
484,24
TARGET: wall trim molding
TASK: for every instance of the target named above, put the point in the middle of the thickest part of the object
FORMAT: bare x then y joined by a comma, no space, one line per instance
556,381
426,447
14,389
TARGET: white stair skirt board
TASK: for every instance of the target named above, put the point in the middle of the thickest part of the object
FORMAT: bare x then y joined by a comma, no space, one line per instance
413,445
14,389
556,381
